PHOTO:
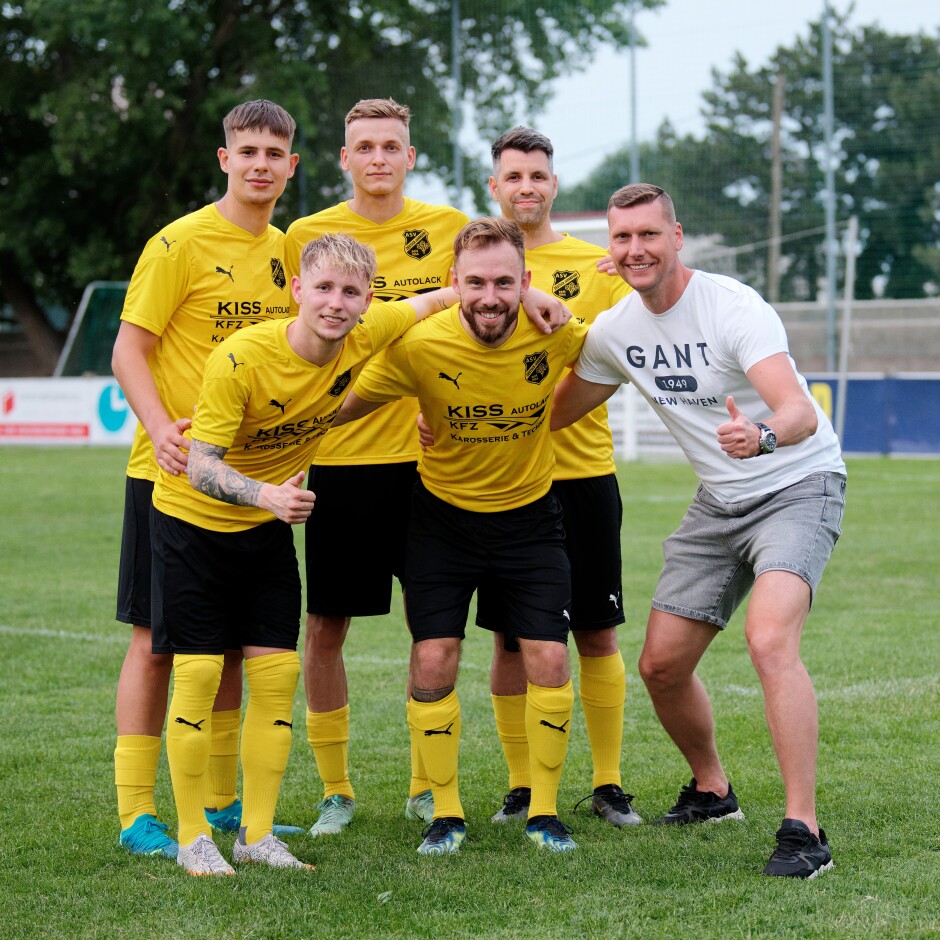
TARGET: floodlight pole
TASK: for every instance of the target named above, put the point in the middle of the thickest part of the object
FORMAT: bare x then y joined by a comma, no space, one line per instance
457,116
634,146
831,245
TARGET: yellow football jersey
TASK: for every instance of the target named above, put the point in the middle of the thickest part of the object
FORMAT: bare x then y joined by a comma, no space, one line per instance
197,282
415,251
489,409
271,408
568,269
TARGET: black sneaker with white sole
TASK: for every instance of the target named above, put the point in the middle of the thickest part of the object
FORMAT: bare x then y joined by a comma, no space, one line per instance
799,854
701,806
515,805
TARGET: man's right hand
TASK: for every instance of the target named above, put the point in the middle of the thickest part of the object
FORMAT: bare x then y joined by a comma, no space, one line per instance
170,447
290,502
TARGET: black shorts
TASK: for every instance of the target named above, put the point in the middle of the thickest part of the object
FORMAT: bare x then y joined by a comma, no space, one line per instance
593,513
214,591
133,597
519,554
361,515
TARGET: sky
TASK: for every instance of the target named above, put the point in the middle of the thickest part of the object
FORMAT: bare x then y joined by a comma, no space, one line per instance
589,115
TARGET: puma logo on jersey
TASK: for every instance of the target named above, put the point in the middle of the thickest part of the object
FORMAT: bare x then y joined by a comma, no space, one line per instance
165,242
220,270
444,375
277,404
235,364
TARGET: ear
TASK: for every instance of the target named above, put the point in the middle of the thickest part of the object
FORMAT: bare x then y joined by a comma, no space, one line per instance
493,189
294,160
295,288
525,283
222,154
412,157
344,159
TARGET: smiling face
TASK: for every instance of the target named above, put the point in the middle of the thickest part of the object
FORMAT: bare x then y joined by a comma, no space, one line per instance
525,187
644,246
331,300
491,282
377,155
258,164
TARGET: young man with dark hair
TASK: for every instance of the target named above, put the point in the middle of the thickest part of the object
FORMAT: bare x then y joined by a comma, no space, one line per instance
199,280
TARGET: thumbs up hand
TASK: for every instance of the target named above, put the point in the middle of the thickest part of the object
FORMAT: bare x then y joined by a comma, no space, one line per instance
739,437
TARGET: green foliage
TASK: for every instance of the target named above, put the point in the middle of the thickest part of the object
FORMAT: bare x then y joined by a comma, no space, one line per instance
886,101
111,112
870,645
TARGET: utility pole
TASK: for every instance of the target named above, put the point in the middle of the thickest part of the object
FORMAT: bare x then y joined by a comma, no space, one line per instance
634,145
831,245
457,116
776,187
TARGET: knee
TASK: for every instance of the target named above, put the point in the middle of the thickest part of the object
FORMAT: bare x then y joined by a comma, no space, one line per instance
770,654
326,635
658,674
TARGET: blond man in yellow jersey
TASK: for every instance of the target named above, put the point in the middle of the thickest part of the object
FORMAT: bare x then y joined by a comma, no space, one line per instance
524,185
199,280
483,513
225,572
363,476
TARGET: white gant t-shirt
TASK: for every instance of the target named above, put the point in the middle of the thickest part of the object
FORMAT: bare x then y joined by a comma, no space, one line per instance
686,362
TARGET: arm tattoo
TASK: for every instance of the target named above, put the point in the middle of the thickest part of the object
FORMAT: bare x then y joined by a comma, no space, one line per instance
210,474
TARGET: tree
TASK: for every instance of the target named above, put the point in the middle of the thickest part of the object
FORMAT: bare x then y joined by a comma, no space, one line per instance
886,103
110,111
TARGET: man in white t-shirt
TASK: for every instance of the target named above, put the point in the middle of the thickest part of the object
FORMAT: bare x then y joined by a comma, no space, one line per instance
711,357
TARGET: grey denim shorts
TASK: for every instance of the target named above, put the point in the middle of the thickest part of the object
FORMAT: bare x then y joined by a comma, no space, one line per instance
712,559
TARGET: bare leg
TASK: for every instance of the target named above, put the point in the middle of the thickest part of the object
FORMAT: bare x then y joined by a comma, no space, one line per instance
674,645
324,669
777,612
142,687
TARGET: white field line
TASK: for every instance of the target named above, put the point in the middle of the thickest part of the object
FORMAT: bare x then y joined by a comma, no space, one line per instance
120,638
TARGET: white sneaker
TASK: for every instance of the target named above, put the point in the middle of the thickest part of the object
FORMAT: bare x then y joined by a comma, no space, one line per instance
267,851
202,857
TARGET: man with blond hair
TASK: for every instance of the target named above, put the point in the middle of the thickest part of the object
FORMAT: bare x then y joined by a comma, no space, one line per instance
267,398
363,476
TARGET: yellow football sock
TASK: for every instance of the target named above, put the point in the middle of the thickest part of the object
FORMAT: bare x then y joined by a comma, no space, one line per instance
223,758
328,734
437,726
603,692
188,739
135,773
548,723
509,711
266,737
419,776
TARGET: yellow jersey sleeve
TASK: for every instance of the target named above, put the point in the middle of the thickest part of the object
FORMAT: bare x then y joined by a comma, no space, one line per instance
568,269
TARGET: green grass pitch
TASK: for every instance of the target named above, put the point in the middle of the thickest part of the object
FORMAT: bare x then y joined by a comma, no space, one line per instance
871,646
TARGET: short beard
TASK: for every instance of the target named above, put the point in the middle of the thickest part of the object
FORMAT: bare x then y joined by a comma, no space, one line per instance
492,337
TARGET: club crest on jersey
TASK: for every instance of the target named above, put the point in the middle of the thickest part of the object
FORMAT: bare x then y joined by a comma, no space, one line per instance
566,284
536,367
277,273
417,243
341,384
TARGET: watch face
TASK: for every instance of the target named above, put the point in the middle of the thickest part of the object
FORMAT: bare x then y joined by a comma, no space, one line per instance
768,440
